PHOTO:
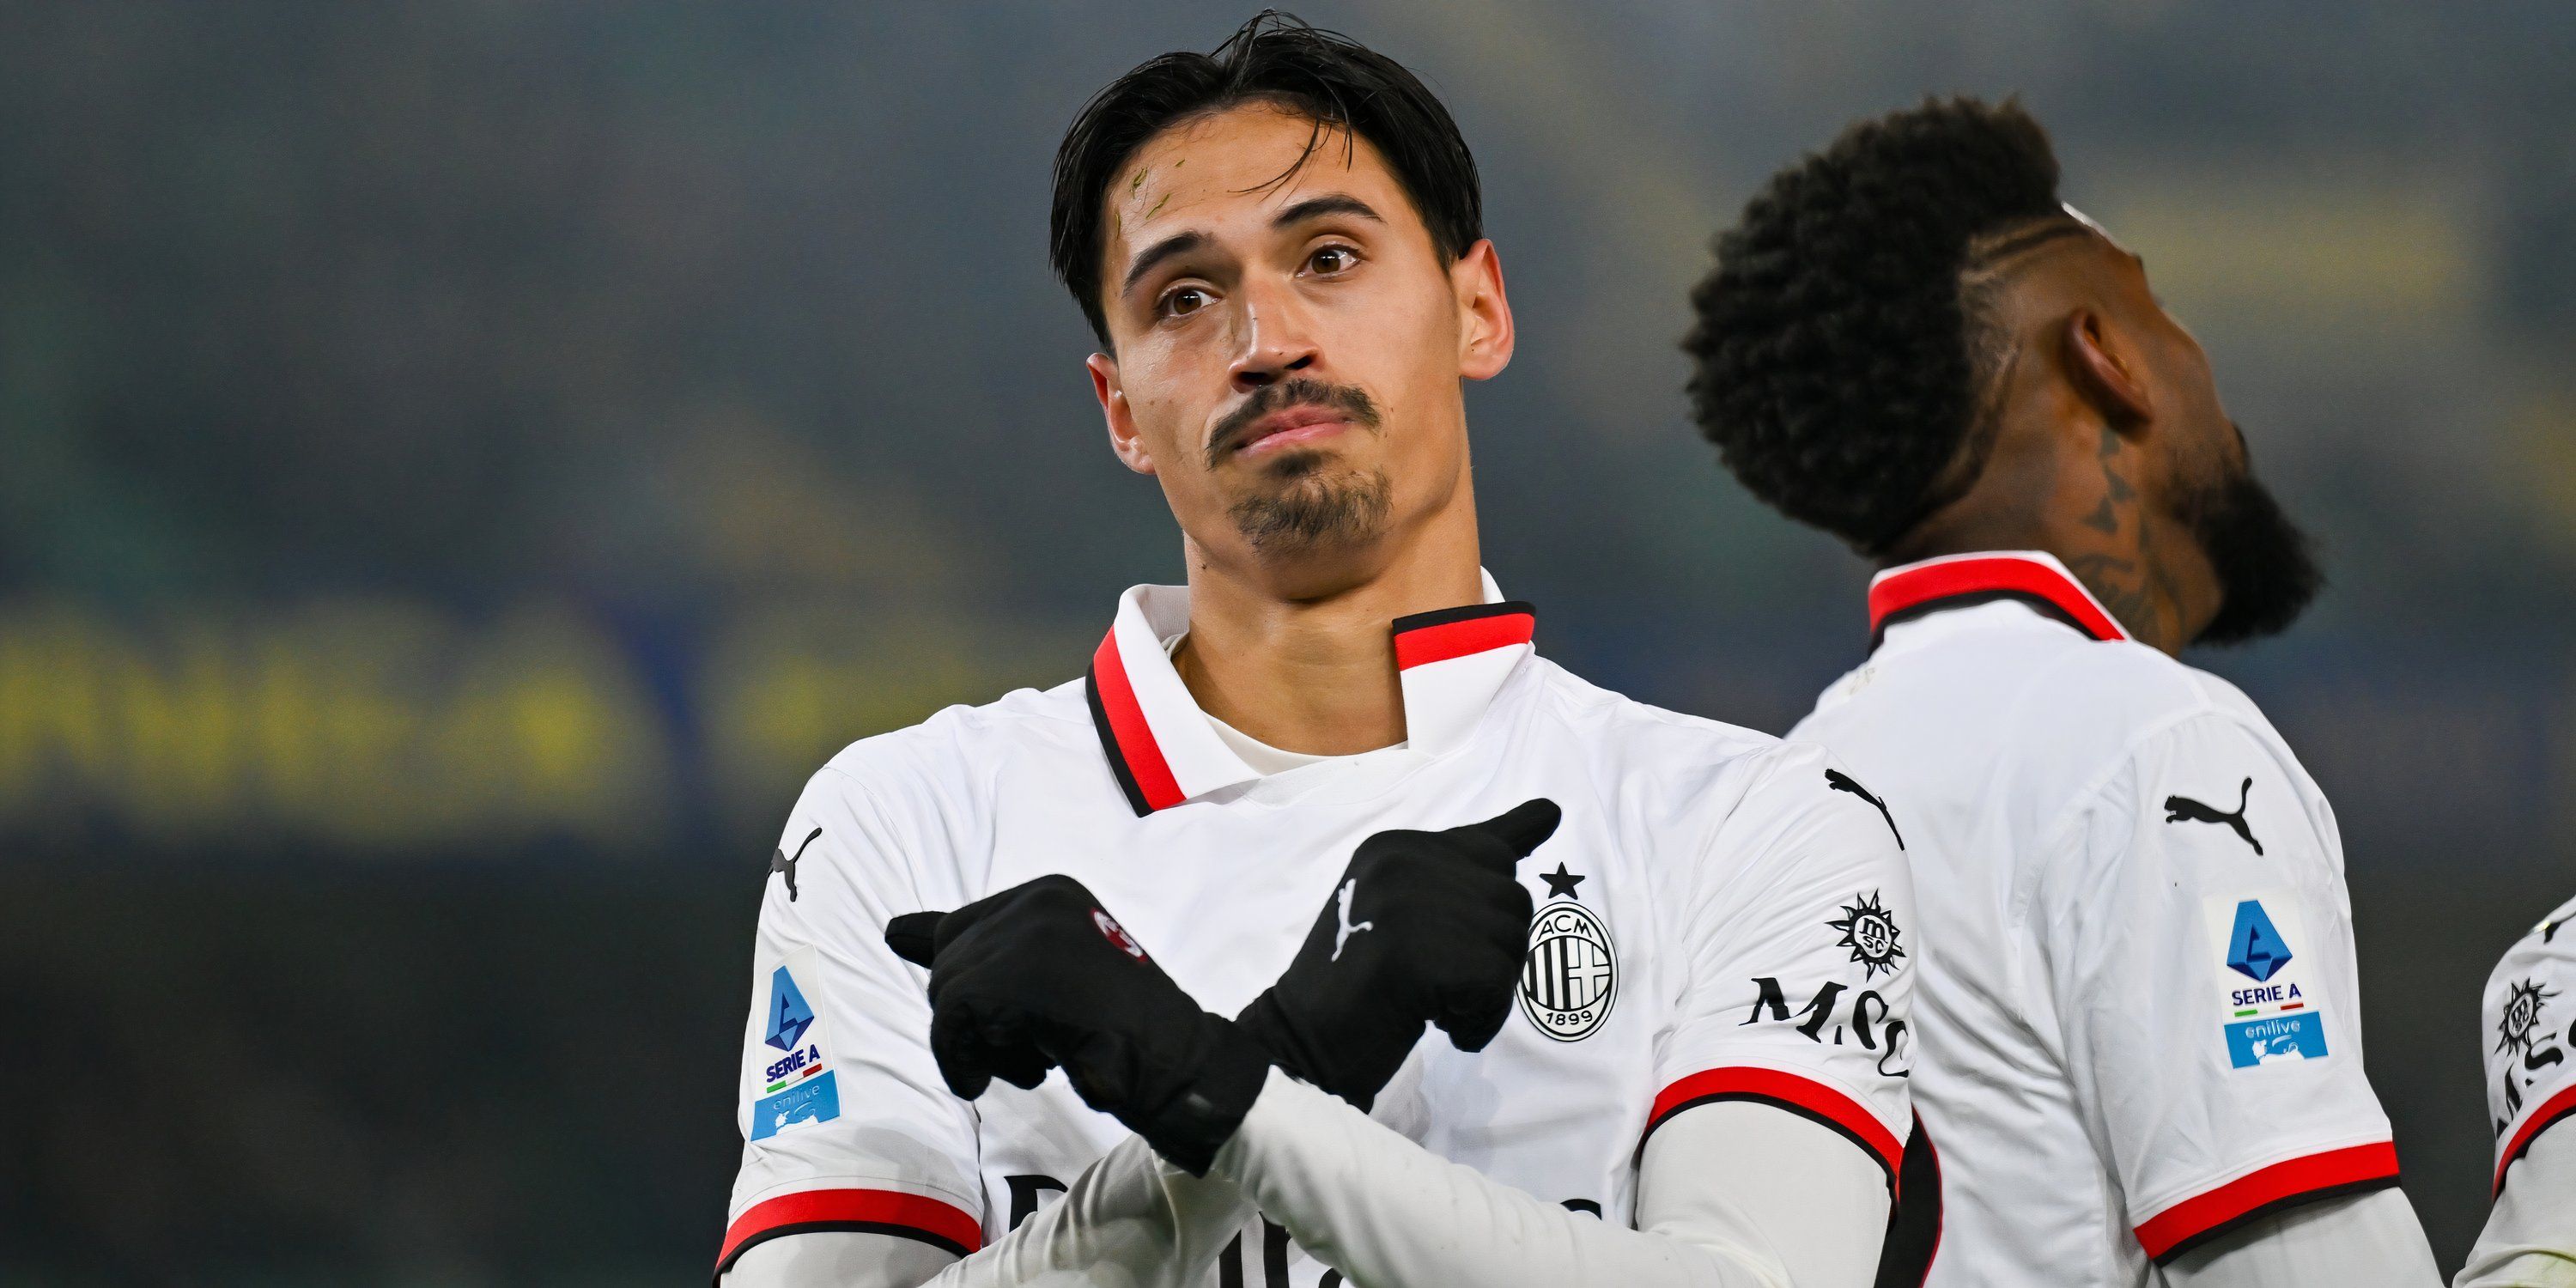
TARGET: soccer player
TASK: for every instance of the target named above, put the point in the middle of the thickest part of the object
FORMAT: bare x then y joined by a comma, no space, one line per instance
1280,826
2140,1028
2531,1087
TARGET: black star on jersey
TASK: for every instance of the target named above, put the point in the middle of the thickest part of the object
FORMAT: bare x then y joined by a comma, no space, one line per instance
1561,883
1869,930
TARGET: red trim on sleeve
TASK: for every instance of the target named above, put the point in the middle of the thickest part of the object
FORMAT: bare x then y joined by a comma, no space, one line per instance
2204,1214
2001,574
1130,738
1805,1097
886,1211
1424,638
2550,1111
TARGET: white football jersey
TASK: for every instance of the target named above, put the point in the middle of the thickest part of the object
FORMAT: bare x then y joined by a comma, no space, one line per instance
2138,1016
2531,1087
1716,919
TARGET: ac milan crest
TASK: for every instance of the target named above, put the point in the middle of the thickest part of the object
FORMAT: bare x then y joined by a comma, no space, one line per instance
1572,976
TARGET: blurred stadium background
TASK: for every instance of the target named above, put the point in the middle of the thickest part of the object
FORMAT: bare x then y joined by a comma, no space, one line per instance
463,464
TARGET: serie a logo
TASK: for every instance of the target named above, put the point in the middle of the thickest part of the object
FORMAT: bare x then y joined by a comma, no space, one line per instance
1572,977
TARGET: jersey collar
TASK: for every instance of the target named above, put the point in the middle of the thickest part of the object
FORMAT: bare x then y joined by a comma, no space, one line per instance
1163,749
2032,577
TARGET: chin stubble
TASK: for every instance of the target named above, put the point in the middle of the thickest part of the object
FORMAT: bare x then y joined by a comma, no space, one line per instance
1316,508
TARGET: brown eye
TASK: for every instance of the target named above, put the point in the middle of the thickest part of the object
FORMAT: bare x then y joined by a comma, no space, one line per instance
1182,302
1333,259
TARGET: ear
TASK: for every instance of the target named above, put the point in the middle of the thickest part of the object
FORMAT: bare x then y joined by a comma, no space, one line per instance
2106,370
1123,438
1484,313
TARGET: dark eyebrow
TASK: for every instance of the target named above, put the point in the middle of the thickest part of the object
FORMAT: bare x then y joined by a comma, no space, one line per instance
1329,204
1176,244
1183,243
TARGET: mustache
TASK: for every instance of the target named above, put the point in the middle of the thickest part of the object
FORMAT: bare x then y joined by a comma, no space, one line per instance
1301,391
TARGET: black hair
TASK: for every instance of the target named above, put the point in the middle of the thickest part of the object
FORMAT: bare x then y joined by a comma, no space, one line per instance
1841,341
1329,77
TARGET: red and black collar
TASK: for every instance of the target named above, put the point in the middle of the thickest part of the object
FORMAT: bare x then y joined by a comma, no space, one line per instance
2031,577
1162,749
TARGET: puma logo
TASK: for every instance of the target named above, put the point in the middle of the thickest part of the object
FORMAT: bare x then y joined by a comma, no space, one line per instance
1342,934
780,862
1842,782
2183,809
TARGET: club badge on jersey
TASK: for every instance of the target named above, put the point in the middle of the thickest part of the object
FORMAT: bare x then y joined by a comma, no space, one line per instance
2269,1011
796,1085
1572,977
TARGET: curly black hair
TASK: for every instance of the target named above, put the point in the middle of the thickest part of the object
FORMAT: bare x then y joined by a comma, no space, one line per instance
1276,57
1840,342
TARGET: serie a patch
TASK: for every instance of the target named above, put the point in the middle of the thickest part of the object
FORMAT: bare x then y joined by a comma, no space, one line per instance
788,1078
2269,1008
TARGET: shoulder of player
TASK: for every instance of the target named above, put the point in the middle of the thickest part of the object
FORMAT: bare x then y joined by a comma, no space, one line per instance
2547,949
1640,742
1690,774
2085,713
954,757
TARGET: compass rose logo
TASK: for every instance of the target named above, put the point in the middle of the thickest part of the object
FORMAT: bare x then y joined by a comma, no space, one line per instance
1869,930
2522,1007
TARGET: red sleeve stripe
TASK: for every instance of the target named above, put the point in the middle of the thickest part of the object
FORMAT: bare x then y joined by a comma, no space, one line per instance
2550,1111
2299,1180
910,1216
1424,638
1804,1097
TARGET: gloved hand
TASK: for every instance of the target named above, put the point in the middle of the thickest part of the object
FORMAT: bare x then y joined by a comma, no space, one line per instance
1041,976
1423,927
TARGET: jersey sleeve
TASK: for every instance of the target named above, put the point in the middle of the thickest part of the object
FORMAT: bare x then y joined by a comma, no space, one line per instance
1798,939
2531,1077
2196,947
846,1123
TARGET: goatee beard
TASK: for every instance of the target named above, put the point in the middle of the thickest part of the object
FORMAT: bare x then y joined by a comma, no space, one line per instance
1315,509
2267,568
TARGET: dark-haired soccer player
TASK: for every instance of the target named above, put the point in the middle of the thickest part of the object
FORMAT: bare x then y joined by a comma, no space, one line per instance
2140,1037
1687,1068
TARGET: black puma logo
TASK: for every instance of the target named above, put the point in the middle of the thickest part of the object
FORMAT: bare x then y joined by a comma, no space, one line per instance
781,862
1842,782
2183,809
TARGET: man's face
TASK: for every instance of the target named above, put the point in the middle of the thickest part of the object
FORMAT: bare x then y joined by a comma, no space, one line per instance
2267,572
1288,344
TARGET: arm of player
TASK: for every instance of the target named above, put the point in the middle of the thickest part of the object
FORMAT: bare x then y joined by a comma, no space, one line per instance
2197,947
1454,916
846,1126
2361,1239
1769,1158
1729,1196
1129,1220
2530,1235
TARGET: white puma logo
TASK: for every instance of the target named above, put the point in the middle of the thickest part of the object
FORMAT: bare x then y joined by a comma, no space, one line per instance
1343,935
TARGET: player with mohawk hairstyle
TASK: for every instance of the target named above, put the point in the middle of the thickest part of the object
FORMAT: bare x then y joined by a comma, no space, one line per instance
2139,1033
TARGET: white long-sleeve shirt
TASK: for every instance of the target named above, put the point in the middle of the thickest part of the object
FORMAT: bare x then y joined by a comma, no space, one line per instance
1719,920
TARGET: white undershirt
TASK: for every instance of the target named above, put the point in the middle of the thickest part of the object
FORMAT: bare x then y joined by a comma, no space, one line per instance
1259,756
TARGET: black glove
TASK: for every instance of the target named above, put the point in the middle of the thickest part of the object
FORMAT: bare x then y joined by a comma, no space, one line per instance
1423,927
1040,976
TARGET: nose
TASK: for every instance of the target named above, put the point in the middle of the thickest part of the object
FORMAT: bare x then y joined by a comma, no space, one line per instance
1276,341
